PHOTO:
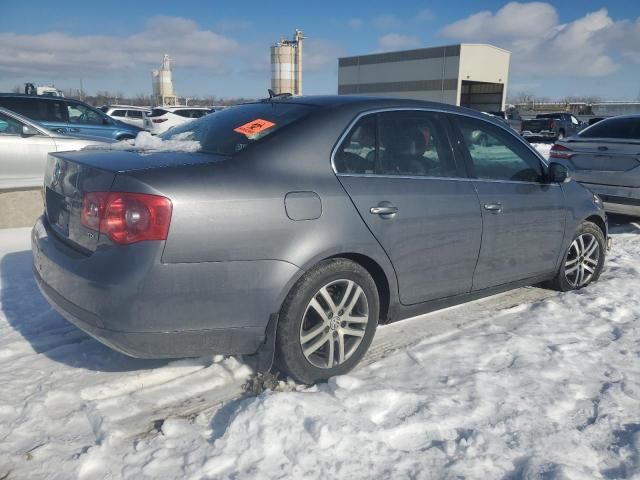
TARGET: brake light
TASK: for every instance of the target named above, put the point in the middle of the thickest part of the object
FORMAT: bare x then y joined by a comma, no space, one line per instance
159,120
552,124
127,218
560,151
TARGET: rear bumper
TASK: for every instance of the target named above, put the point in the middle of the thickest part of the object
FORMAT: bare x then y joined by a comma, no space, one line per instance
620,200
127,299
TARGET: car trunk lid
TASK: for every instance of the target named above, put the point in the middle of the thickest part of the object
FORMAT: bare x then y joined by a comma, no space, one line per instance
70,175
605,162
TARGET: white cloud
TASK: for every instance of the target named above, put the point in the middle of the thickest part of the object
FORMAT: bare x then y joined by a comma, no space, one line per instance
540,45
93,55
397,41
521,20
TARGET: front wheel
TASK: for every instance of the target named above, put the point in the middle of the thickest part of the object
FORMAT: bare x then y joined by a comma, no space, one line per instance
327,321
584,260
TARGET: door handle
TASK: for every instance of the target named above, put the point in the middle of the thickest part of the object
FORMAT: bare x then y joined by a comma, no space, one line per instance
384,209
493,207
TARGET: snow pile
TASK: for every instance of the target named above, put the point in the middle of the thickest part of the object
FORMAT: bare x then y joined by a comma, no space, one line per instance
549,389
543,148
145,142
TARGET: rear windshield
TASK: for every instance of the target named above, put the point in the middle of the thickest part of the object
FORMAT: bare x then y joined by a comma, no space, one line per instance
234,129
621,127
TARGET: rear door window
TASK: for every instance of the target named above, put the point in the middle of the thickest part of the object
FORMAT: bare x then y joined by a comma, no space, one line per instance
134,113
404,143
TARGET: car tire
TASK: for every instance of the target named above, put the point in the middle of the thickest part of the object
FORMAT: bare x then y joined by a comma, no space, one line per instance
583,261
327,321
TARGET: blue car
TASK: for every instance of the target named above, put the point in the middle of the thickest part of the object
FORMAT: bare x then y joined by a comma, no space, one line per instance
65,115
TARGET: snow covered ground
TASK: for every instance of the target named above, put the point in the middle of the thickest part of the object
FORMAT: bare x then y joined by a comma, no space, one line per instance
530,384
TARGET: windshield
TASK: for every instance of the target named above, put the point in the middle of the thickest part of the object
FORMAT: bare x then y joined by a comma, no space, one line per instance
234,129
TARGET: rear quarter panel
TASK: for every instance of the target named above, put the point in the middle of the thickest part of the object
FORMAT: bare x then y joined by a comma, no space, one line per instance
235,210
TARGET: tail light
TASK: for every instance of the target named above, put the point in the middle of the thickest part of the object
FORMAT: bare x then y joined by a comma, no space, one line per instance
560,151
159,120
127,218
552,124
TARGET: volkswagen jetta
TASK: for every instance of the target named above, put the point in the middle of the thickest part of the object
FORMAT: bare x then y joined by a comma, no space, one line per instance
319,217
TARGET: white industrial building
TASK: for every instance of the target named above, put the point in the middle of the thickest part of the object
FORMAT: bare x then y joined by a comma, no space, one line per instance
162,84
468,75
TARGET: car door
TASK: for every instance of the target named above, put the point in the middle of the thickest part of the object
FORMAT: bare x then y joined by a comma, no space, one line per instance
398,168
22,157
523,216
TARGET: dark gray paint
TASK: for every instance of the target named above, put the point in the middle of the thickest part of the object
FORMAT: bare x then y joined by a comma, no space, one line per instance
233,253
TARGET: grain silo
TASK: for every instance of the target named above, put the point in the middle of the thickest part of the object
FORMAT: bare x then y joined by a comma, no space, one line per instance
286,65
163,84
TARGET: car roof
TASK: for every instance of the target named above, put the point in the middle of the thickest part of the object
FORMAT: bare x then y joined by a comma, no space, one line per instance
365,102
47,98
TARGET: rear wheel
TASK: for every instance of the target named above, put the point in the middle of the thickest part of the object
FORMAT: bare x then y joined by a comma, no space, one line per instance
327,321
584,259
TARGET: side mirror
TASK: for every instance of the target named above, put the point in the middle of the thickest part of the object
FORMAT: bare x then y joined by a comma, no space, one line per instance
29,131
558,173
106,121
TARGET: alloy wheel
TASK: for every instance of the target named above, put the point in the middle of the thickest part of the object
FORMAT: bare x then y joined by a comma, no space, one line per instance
582,260
334,323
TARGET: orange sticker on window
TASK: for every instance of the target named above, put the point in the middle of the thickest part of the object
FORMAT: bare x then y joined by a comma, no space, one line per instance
254,126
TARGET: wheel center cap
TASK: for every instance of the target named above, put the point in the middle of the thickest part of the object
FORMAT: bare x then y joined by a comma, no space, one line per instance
334,323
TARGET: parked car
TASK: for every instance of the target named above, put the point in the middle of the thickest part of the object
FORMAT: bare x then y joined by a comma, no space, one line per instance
128,114
551,126
511,117
307,220
162,119
24,146
66,115
605,158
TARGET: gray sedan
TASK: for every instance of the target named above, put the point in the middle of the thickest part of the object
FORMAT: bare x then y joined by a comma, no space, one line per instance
24,146
605,158
301,224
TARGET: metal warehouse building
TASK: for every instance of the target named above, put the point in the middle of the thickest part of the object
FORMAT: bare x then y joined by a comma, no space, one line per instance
469,75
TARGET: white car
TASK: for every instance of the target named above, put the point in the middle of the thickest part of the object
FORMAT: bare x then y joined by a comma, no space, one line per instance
24,145
162,119
128,114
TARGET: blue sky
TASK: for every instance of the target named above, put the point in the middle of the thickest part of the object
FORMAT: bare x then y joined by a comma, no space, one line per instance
221,48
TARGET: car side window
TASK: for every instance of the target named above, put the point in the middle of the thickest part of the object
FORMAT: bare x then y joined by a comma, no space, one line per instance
357,153
81,114
134,114
183,113
496,155
118,113
574,120
9,126
403,143
414,143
